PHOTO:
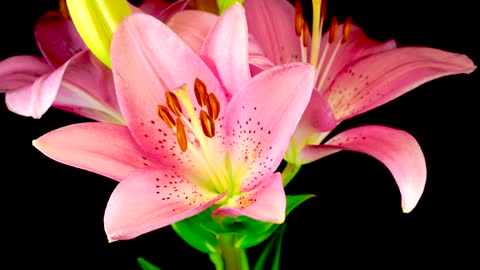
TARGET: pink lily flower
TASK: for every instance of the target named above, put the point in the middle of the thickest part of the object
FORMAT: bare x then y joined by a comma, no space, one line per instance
68,77
354,74
200,131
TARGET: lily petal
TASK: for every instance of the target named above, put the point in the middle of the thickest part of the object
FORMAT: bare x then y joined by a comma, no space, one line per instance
258,135
398,150
382,77
102,148
150,199
57,38
22,70
163,10
266,202
36,98
271,22
229,34
143,70
88,90
358,45
317,119
193,27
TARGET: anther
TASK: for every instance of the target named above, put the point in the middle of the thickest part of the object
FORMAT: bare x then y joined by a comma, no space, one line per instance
323,11
163,113
213,106
333,30
299,21
200,92
181,135
62,4
208,125
172,103
306,35
346,29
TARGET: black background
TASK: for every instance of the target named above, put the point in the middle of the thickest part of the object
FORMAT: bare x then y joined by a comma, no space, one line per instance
52,214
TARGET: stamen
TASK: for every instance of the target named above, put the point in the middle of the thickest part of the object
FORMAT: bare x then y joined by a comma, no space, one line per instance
333,30
346,29
172,103
306,35
200,92
181,135
163,113
208,125
213,106
62,4
299,21
323,11
316,5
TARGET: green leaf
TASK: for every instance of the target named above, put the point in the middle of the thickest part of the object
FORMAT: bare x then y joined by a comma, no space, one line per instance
224,4
260,231
146,265
276,245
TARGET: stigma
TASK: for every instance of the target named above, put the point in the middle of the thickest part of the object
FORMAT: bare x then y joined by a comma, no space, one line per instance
318,52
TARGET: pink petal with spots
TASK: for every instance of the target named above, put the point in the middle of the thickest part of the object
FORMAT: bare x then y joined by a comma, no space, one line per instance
272,24
262,116
143,69
19,71
382,77
106,149
398,150
150,199
266,202
57,38
229,34
193,26
357,46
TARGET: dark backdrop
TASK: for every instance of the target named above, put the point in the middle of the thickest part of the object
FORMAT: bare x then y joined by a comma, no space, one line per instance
52,214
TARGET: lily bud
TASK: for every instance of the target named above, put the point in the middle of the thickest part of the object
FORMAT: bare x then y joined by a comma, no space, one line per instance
95,21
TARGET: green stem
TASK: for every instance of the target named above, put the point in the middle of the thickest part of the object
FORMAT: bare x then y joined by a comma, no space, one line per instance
229,256
289,172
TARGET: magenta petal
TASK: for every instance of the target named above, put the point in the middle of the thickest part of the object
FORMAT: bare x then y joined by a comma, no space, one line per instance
106,149
150,199
57,38
357,46
163,10
262,116
272,24
398,150
229,34
380,78
266,202
193,26
22,70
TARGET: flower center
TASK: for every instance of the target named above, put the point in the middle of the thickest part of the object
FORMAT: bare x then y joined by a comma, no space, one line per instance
194,131
318,55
